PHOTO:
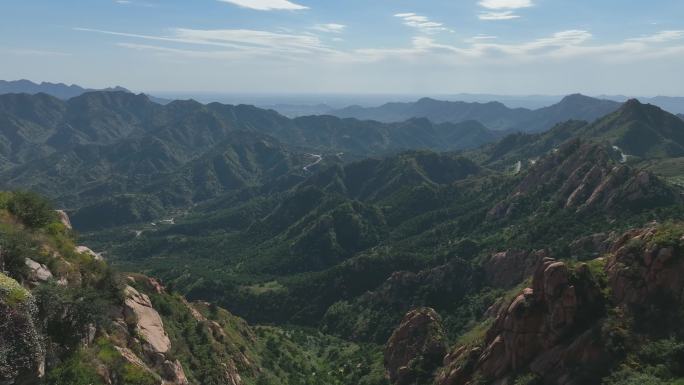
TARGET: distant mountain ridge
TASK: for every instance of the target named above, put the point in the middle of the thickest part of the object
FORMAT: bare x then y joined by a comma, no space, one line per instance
58,90
493,115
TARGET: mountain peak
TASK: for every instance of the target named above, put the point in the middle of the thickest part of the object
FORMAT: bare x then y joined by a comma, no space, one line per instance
426,100
577,98
633,103
634,106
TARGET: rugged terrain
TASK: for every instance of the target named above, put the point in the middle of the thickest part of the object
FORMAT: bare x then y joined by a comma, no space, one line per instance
347,251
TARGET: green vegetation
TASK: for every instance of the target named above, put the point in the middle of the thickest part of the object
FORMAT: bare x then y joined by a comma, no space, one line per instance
656,363
32,209
215,200
12,292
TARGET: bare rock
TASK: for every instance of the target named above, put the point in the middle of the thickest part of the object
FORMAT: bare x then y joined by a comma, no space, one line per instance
64,218
417,346
37,271
148,323
534,328
173,373
641,269
87,250
510,267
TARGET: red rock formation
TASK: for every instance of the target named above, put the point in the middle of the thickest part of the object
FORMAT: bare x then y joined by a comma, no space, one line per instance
417,346
509,268
537,321
556,325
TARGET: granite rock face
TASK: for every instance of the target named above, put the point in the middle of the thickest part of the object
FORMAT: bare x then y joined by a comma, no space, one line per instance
415,348
534,329
558,324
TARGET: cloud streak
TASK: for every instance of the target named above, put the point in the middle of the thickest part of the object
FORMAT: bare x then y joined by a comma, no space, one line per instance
266,5
502,9
240,44
330,27
421,23
505,4
505,15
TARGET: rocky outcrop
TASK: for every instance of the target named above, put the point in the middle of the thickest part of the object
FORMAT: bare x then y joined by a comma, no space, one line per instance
438,286
37,271
148,324
647,267
535,330
173,373
150,337
591,246
588,176
64,219
508,268
416,347
87,250
558,323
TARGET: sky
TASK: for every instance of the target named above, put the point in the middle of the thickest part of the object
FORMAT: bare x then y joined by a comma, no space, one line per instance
515,47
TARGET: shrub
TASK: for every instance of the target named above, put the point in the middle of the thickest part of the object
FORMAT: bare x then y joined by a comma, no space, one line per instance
14,248
74,371
32,210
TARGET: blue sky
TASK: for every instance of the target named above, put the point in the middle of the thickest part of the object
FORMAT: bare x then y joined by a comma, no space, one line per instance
628,47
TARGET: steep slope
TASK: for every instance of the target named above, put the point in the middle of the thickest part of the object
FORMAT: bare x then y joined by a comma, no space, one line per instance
68,318
617,313
641,130
493,115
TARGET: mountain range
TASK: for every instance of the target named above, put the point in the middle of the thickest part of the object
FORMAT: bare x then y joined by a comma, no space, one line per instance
494,115
58,90
347,251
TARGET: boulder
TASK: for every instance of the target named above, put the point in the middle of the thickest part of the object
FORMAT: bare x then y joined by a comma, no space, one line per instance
37,271
87,250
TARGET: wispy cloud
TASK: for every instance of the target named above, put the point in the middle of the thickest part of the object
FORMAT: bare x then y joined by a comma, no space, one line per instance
505,4
244,42
502,9
505,15
660,37
560,45
266,5
239,44
422,23
330,27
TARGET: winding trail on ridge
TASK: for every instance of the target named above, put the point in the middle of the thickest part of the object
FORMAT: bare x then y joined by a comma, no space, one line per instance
318,158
